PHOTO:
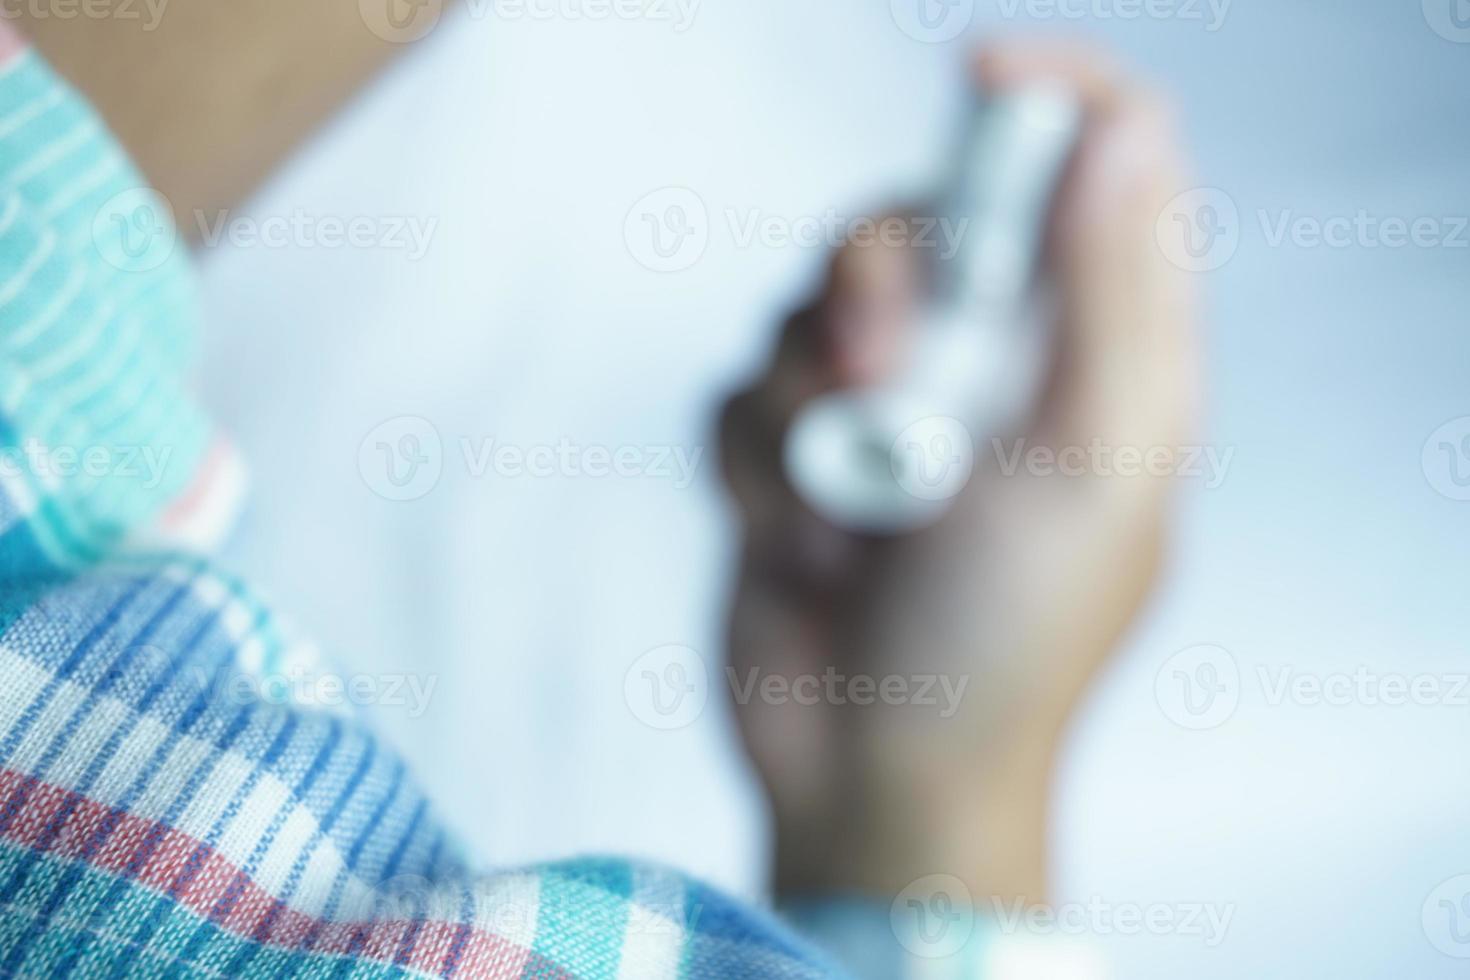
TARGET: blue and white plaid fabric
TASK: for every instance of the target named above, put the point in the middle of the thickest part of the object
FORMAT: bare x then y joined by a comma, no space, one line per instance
162,812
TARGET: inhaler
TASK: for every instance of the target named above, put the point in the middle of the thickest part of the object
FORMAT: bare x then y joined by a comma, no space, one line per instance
890,459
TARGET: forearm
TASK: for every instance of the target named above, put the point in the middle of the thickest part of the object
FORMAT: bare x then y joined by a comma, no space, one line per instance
208,95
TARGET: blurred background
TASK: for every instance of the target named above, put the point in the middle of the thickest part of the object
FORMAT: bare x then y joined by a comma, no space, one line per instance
540,155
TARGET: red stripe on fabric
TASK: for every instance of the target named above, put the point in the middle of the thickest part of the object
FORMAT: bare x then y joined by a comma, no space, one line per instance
199,487
286,928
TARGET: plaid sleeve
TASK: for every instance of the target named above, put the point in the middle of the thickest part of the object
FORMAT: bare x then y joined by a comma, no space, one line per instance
168,809
169,803
100,444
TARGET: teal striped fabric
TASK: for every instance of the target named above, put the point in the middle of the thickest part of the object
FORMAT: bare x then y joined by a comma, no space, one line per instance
166,809
99,431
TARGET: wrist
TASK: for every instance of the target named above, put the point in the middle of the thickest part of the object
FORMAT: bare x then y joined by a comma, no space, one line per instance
988,831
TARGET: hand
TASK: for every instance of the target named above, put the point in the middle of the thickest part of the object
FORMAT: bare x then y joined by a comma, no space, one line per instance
1017,596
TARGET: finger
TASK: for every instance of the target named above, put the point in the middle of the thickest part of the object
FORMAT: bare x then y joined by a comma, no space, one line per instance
1125,356
1124,370
786,544
1088,72
855,333
868,314
753,421
1127,369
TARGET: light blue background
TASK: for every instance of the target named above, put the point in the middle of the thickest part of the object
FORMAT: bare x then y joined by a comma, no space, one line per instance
1326,548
